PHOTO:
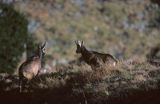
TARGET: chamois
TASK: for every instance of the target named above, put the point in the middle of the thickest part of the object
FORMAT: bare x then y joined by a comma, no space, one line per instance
31,67
93,58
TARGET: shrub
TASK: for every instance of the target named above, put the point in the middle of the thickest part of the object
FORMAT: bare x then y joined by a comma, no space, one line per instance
13,36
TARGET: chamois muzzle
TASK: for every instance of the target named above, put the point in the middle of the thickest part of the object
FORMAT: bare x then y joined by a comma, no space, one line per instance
79,46
78,51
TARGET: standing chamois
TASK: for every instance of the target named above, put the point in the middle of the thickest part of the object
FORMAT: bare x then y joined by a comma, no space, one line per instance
31,67
94,59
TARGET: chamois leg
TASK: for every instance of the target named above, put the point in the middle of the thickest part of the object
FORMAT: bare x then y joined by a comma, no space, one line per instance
21,84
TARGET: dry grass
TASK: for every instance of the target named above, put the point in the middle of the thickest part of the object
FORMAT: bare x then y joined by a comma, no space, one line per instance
84,85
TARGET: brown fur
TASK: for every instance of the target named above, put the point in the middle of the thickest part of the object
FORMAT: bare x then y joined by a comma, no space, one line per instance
30,68
93,58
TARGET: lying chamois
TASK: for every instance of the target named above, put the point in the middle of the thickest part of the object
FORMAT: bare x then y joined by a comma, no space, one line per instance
94,59
31,67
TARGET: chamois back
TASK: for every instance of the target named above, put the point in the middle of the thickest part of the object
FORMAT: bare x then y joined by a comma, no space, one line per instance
30,68
93,58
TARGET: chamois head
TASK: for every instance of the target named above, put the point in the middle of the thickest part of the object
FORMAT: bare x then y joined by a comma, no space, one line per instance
41,49
79,46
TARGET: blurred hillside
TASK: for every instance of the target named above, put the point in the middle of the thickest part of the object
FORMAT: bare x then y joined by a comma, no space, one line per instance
123,28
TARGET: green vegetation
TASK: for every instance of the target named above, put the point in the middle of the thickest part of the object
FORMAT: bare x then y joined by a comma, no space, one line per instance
15,39
13,36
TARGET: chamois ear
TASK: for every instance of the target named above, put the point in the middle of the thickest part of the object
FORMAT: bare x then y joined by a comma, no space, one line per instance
76,42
